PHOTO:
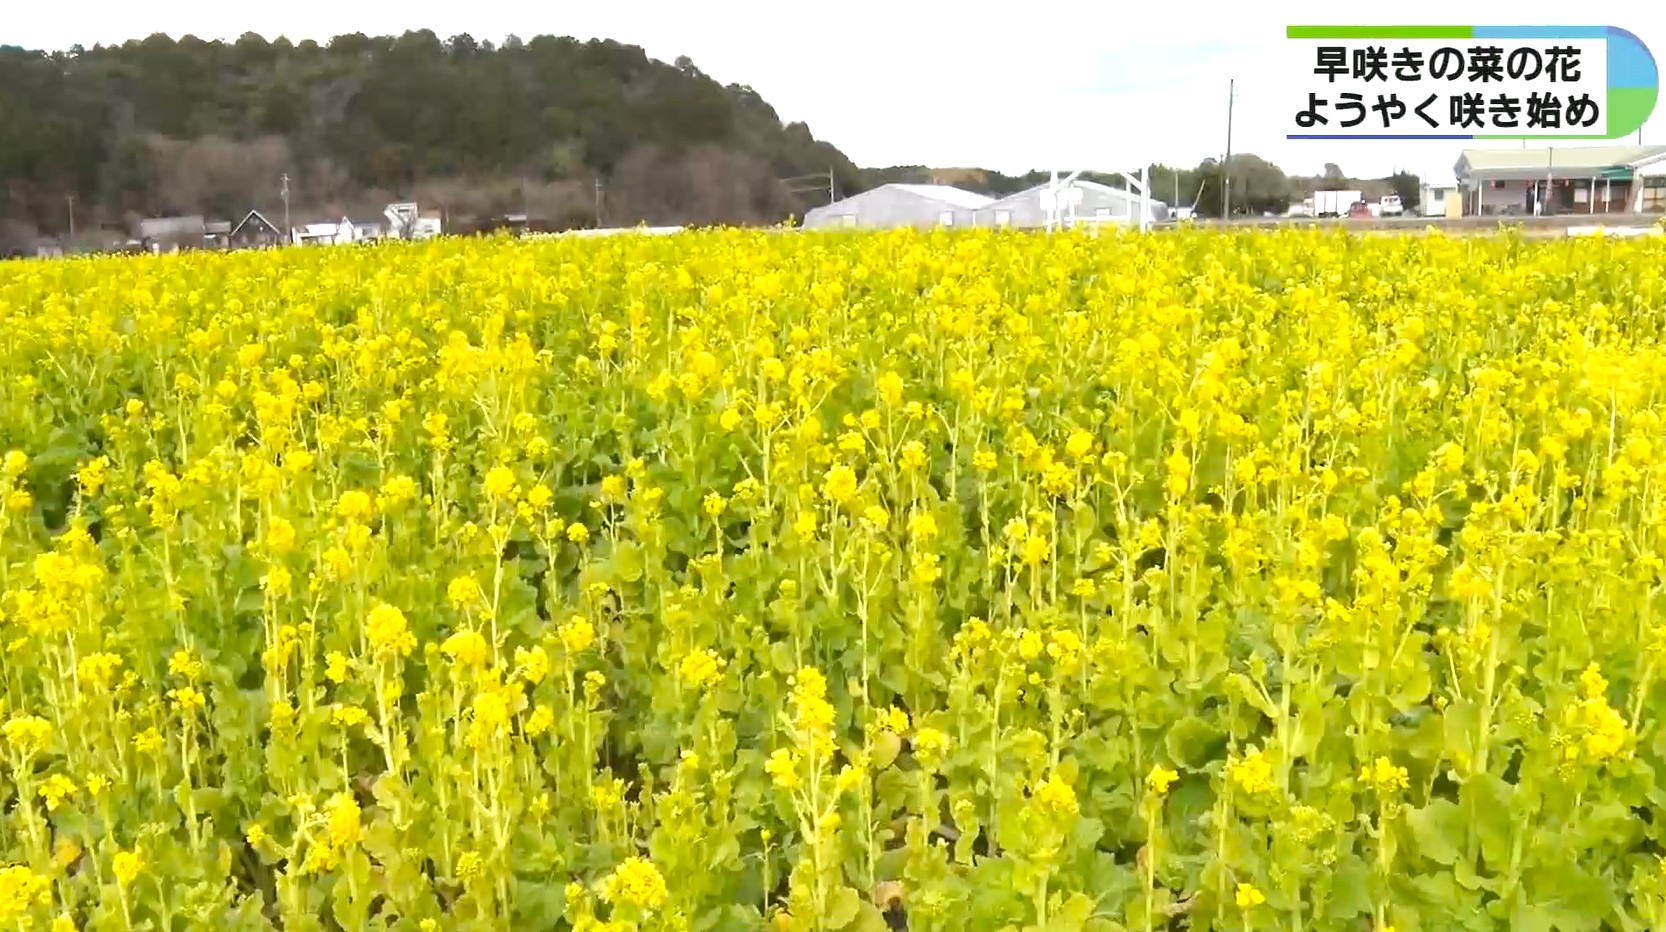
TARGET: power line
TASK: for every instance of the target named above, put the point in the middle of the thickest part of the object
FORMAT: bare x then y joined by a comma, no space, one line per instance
814,183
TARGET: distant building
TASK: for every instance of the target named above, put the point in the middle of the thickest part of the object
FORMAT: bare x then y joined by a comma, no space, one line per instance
922,206
406,221
369,229
171,234
1081,202
216,234
323,233
1433,195
254,231
429,224
1562,180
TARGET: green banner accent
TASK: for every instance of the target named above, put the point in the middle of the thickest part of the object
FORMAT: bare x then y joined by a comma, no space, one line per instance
1379,32
1629,109
1585,136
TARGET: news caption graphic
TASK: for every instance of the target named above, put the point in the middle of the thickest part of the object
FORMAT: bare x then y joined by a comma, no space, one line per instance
1471,82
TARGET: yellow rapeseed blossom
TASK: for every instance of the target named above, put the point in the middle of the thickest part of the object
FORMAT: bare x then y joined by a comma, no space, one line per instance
1055,798
577,634
1384,777
27,734
21,889
467,648
1252,773
127,865
638,882
782,767
388,632
840,484
1158,781
463,592
499,482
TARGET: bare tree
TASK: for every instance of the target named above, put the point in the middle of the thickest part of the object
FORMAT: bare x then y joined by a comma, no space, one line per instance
213,175
705,185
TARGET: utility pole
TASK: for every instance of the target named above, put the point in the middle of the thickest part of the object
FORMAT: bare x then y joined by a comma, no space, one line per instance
288,233
1550,172
71,199
598,202
1227,167
830,197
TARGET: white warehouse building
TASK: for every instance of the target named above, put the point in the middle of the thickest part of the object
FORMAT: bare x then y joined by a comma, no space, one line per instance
899,205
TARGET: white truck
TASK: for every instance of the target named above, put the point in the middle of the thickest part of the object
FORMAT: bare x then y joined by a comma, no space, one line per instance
1334,203
1391,206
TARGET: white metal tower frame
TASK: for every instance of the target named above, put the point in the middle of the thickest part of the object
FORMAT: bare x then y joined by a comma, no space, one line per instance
1060,198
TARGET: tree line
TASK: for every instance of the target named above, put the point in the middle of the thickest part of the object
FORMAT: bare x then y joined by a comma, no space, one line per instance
578,133
575,131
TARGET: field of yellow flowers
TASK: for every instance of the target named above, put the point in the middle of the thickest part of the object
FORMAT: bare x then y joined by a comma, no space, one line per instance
740,580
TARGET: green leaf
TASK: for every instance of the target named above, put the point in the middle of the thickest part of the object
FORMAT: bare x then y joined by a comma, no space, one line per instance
1438,829
885,748
1490,798
1072,914
1248,692
1350,889
781,657
843,907
627,562
1192,742
1308,729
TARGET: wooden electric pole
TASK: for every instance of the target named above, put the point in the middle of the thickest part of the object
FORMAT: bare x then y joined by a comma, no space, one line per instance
1226,167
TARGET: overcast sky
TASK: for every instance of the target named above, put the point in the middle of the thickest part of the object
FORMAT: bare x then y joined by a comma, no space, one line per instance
1088,85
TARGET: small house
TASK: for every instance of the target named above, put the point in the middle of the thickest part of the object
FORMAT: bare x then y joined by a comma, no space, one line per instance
429,224
1432,198
254,231
317,234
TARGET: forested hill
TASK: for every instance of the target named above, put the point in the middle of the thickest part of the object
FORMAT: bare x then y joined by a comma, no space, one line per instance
161,126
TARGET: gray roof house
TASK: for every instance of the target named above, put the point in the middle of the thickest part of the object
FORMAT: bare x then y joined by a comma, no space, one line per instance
1566,162
1562,180
899,205
1095,203
170,234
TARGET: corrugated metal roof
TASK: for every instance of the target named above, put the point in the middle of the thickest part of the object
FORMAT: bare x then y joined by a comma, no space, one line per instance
170,226
1571,158
948,194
